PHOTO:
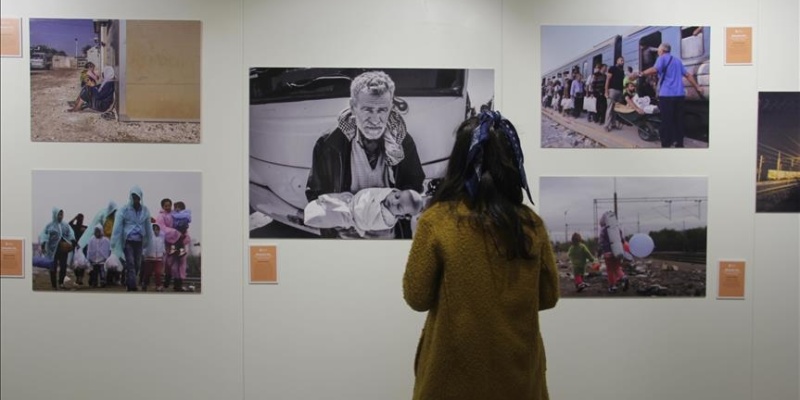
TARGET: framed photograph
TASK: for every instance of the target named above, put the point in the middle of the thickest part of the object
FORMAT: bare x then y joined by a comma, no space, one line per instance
117,231
353,152
628,236
628,87
112,80
778,158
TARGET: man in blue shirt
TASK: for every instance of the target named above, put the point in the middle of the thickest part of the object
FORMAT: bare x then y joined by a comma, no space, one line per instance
671,94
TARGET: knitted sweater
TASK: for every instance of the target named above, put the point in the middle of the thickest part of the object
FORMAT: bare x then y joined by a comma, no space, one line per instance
481,339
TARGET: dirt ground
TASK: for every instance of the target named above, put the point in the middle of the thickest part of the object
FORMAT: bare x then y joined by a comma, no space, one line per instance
648,278
50,121
41,282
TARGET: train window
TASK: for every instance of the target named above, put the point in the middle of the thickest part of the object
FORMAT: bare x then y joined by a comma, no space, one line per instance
648,50
691,42
585,69
597,60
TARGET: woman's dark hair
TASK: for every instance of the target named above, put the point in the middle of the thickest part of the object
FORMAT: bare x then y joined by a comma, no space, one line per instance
576,238
497,207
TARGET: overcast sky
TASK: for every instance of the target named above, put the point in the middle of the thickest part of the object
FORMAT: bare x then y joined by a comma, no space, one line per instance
88,192
561,43
575,196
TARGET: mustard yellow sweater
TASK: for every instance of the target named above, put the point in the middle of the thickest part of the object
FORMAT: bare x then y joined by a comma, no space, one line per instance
481,338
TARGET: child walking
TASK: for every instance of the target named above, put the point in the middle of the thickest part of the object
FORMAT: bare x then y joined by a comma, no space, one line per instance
578,255
154,261
98,250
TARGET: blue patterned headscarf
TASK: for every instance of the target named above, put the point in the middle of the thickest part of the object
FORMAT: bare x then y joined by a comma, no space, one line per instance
488,120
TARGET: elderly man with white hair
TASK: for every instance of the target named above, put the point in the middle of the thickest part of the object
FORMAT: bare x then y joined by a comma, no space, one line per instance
369,148
671,94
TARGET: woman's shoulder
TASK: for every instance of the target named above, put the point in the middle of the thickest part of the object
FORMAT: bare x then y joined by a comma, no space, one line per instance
442,212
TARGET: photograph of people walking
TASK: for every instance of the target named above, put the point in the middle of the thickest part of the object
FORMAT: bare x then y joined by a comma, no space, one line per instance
353,153
628,236
144,233
625,86
109,80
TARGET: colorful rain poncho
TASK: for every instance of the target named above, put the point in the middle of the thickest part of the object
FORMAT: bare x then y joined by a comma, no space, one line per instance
127,220
99,219
54,233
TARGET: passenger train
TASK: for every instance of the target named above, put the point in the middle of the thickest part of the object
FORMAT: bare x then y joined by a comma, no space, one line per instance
639,49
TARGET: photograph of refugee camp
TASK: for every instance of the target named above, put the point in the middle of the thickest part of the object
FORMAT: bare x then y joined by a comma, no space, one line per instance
117,231
625,86
108,80
628,236
778,157
353,153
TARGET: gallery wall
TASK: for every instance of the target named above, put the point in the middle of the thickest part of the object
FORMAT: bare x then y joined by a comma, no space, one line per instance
336,326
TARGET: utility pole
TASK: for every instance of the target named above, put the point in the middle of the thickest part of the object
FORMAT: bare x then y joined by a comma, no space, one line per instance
760,164
669,204
566,227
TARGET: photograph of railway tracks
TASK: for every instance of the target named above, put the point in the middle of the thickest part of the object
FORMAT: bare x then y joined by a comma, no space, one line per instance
778,162
625,86
628,236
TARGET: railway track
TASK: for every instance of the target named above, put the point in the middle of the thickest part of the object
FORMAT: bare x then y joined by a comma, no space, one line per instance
768,188
691,258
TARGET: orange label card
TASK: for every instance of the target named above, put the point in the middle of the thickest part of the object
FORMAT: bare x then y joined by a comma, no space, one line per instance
731,280
739,45
10,37
263,264
12,258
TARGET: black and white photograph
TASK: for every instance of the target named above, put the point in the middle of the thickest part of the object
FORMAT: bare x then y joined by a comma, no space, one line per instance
778,162
353,153
117,231
115,80
625,87
628,236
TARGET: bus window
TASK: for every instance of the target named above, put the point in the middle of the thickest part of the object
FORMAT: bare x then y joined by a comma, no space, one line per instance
648,50
597,60
691,42
280,85
585,69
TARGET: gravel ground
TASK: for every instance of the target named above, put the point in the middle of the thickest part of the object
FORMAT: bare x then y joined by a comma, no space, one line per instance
50,121
557,136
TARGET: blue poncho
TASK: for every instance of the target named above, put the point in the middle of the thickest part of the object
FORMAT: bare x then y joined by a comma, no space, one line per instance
54,233
127,220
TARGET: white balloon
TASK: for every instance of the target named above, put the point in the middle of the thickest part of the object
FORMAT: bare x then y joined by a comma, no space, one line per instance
641,245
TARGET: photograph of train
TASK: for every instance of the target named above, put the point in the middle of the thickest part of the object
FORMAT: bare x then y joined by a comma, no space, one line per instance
628,236
330,147
778,162
625,86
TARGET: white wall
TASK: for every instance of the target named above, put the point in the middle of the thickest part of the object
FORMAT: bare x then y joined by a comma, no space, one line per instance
77,346
336,326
